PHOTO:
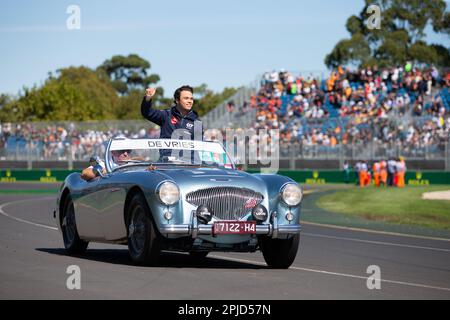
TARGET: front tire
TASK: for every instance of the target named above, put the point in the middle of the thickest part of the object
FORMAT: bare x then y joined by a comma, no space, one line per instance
143,241
72,241
280,253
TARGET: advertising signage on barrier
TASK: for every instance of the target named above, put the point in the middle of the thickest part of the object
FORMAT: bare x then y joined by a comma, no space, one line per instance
48,177
302,176
418,181
44,176
336,176
315,179
7,177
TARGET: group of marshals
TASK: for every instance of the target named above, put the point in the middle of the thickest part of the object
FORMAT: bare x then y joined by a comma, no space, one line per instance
383,173
179,121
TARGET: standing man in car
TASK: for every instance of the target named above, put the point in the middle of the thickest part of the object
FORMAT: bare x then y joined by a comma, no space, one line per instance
179,117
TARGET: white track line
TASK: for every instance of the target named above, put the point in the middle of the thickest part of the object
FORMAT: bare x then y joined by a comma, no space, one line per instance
373,231
22,220
374,242
336,274
303,233
244,260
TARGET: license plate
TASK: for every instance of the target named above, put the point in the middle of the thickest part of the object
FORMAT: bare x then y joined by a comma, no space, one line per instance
234,227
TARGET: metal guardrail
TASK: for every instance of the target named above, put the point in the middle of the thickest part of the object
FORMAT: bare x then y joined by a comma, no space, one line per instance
220,117
32,144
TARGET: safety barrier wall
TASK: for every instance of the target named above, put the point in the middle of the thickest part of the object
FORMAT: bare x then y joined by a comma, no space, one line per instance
283,164
301,176
335,176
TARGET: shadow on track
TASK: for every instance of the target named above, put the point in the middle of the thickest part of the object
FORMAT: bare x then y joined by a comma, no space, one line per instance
166,260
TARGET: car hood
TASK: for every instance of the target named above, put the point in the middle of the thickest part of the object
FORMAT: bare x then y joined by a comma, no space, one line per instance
199,178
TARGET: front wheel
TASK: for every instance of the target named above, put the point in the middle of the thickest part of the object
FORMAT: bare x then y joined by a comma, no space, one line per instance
72,241
143,242
280,253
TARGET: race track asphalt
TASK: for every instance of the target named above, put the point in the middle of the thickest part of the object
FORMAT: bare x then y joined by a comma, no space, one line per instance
331,263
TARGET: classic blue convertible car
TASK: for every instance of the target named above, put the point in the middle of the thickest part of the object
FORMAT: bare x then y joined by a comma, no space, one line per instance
180,195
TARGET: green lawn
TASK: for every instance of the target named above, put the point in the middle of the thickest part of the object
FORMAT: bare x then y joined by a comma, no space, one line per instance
394,205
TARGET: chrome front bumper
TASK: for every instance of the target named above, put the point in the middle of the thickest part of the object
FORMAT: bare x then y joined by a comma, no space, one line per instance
194,229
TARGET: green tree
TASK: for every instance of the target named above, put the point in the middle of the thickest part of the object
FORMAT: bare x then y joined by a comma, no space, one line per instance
113,91
128,73
75,93
4,100
443,55
400,37
129,105
206,99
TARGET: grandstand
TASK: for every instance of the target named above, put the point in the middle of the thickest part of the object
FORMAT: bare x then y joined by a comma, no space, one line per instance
364,114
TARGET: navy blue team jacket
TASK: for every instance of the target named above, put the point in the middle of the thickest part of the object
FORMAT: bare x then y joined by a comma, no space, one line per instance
170,120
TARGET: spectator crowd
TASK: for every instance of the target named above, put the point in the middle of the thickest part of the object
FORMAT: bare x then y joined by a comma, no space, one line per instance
399,106
63,141
403,106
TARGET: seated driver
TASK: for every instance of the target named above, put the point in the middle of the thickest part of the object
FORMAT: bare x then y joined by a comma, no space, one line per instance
119,157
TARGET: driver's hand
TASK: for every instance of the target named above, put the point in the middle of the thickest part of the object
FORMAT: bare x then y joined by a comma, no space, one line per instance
151,168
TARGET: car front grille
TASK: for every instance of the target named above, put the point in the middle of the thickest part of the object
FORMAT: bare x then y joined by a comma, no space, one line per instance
227,203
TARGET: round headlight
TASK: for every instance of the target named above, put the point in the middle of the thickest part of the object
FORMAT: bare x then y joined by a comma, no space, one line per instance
169,193
291,194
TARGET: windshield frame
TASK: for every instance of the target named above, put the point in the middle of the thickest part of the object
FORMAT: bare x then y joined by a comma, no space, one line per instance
111,166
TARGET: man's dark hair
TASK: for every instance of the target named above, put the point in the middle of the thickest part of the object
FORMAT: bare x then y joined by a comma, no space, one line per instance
176,95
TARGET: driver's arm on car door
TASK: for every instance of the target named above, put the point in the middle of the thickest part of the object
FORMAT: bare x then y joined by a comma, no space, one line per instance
89,173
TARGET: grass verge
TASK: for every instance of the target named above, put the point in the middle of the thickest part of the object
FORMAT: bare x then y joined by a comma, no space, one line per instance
28,191
394,205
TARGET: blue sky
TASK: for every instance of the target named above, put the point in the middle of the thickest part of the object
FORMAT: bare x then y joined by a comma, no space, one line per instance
220,43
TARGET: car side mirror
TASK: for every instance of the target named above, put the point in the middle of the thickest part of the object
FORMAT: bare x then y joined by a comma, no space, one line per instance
97,165
94,160
98,170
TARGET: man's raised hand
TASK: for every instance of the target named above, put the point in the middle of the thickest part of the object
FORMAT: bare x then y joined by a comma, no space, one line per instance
149,93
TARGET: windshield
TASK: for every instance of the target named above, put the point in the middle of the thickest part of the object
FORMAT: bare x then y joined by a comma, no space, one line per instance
167,152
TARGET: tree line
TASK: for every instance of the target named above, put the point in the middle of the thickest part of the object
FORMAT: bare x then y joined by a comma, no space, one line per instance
399,38
113,90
